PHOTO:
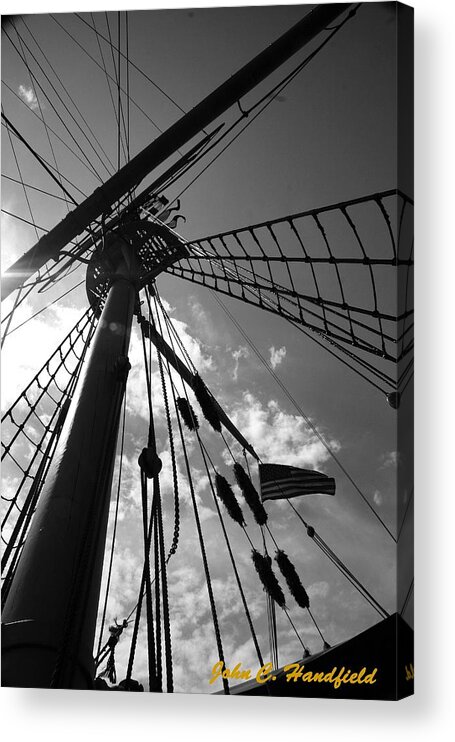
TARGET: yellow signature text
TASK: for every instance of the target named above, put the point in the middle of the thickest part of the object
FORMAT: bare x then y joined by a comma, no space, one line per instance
220,671
336,677
295,672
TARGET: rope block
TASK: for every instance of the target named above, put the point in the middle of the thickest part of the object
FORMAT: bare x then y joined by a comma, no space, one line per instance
150,463
122,368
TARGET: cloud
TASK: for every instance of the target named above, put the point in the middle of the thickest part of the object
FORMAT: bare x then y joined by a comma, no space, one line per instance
378,498
207,330
279,436
319,589
241,352
137,389
28,96
391,459
276,356
27,349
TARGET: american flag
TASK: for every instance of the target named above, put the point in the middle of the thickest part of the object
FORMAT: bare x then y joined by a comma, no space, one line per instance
279,481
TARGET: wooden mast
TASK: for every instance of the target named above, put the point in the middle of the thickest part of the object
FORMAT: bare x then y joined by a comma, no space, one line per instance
49,617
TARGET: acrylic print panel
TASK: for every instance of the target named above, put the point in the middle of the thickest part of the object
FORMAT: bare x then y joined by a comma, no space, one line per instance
207,242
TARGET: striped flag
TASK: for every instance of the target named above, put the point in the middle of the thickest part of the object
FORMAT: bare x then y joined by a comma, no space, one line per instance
279,481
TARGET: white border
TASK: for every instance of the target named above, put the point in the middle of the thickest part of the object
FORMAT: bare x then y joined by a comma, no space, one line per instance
75,715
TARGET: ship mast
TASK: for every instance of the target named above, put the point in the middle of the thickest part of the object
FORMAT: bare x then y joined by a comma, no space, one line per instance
49,617
202,115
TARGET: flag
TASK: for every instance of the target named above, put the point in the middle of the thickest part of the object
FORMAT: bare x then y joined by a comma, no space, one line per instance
279,481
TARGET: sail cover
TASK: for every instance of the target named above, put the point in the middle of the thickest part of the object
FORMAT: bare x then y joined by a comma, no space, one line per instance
279,481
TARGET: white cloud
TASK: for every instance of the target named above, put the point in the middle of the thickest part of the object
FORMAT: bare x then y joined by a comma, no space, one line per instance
28,96
241,352
276,356
319,589
26,351
278,436
391,459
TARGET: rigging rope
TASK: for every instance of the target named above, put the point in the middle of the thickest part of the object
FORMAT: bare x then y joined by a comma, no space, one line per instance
35,188
161,594
48,128
87,137
205,456
308,421
107,79
130,62
20,421
201,543
114,532
39,106
65,88
203,453
98,65
353,329
41,160
407,598
43,309
318,540
18,295
175,538
267,99
92,169
161,560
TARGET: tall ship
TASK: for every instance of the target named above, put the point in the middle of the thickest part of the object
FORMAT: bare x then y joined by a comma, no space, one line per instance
207,351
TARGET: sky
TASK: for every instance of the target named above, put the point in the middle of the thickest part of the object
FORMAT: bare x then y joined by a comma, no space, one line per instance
331,136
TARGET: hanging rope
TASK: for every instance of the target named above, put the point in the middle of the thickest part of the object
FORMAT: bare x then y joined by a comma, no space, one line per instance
224,491
160,582
144,589
204,457
114,532
200,534
203,552
161,591
175,539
